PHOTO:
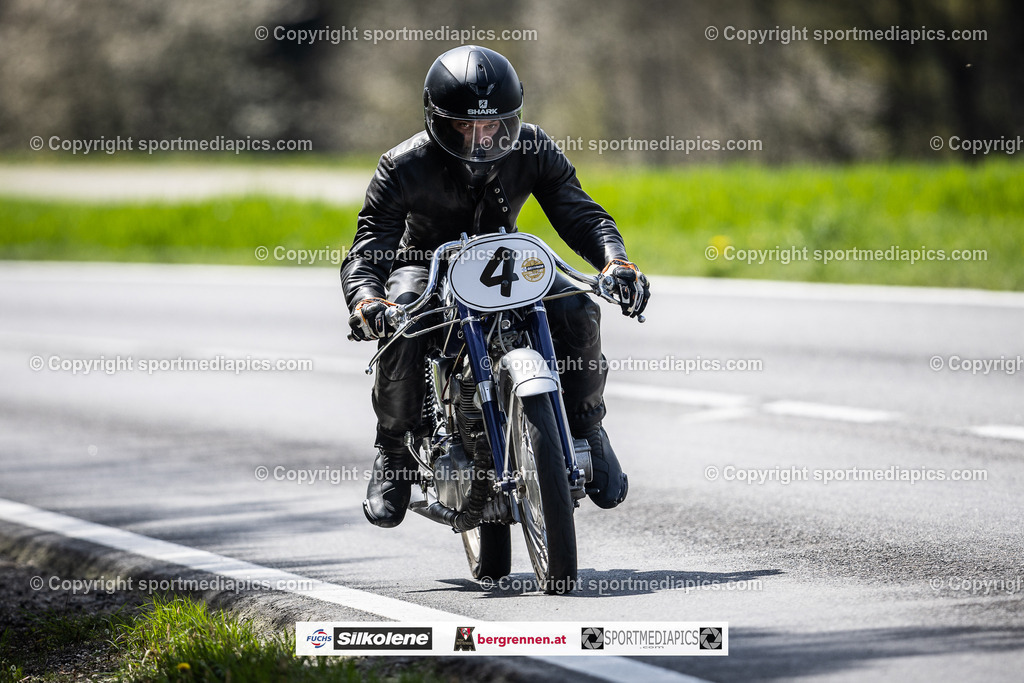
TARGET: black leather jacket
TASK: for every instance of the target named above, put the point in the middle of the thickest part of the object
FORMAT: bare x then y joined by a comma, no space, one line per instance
413,205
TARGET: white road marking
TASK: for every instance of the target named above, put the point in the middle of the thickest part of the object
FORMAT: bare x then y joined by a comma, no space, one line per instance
620,669
715,415
686,397
818,291
1013,432
724,406
111,346
615,669
821,411
327,276
177,275
230,568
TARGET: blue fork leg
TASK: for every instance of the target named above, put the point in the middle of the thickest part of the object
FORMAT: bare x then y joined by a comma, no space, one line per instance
540,333
494,421
480,362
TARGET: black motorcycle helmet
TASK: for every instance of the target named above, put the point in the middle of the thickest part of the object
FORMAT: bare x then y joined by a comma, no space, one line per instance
472,109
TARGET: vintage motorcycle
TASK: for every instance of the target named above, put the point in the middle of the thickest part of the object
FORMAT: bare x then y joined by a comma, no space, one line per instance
495,447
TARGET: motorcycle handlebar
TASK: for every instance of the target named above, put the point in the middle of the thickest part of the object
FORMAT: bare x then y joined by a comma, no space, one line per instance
397,316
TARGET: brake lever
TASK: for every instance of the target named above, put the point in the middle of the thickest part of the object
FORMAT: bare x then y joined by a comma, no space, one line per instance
603,288
395,316
398,319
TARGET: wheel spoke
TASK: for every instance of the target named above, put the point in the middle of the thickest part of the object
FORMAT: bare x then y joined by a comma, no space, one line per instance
531,502
541,493
472,538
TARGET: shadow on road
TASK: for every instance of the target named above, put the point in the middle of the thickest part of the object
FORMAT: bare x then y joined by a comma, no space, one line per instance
765,655
618,582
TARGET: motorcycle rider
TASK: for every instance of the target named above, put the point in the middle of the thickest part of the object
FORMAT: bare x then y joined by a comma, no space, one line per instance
471,171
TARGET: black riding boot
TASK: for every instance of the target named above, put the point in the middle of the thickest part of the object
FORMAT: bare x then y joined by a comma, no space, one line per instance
610,485
387,494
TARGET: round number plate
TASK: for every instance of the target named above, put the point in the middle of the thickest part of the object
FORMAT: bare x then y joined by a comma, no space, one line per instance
498,272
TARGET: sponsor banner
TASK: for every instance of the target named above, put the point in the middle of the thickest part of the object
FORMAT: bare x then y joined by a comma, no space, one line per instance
516,638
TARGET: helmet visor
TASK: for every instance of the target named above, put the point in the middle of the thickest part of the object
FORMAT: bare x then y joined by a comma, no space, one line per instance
482,139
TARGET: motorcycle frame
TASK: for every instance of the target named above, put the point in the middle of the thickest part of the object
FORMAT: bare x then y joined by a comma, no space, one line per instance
536,320
401,318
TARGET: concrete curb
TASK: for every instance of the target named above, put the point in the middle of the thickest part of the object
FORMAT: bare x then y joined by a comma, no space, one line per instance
268,611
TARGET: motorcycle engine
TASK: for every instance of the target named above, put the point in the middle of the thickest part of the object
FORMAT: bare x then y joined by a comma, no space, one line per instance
459,435
453,477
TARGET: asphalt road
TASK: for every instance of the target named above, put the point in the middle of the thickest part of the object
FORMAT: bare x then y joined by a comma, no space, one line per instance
845,580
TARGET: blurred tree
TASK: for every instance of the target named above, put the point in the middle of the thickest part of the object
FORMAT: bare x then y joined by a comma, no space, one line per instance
970,88
601,69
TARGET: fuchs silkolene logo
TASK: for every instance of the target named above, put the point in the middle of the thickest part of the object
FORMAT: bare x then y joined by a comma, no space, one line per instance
383,638
464,639
319,638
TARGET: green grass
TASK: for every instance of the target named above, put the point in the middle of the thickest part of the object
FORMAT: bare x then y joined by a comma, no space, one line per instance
171,639
218,231
669,217
178,639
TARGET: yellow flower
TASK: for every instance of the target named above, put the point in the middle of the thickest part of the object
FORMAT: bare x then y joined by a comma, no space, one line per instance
183,666
720,242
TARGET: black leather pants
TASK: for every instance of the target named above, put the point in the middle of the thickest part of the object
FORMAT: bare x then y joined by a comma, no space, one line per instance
575,323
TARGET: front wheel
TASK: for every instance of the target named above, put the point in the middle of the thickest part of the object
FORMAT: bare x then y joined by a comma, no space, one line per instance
489,551
542,492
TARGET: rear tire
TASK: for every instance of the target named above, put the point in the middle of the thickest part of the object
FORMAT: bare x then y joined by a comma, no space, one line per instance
489,551
542,494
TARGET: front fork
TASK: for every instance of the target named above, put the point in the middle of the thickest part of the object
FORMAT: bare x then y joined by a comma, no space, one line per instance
494,419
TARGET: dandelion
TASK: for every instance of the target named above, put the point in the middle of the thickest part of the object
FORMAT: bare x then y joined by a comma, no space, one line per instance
720,242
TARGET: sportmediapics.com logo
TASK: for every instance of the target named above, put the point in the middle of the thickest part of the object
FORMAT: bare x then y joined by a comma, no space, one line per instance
593,638
710,638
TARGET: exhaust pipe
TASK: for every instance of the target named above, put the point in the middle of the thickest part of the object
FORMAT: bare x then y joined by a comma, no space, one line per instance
435,510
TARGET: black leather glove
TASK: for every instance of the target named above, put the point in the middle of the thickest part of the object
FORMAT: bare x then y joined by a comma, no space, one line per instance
368,321
630,287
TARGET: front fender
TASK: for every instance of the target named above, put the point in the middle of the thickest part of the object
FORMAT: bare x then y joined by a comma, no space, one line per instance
526,373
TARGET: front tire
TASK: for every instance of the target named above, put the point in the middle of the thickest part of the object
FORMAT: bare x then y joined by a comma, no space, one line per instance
542,492
489,551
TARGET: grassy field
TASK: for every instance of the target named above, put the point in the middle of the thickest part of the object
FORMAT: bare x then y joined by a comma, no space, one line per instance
172,639
788,223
